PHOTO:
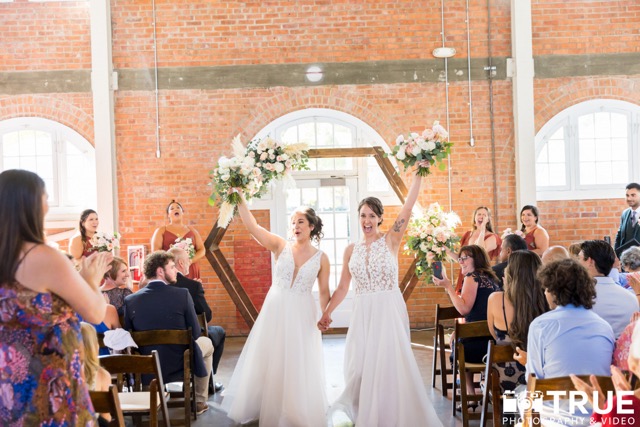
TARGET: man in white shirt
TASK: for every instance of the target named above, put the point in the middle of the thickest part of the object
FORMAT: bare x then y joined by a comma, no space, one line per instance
613,303
629,221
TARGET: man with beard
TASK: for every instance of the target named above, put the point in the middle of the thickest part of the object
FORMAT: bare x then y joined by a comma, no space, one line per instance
629,231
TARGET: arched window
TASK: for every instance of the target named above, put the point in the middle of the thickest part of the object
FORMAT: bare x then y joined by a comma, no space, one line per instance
588,151
60,155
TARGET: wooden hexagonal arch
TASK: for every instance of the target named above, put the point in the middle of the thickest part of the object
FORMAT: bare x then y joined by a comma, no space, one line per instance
228,277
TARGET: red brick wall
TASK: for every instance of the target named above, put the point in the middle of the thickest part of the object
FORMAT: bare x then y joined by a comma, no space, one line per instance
198,125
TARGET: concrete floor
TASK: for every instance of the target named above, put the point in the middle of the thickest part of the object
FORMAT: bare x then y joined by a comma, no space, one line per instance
333,353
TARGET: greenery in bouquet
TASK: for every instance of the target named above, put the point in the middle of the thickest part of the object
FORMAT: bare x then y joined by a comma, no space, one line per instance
105,242
429,236
186,245
424,149
251,169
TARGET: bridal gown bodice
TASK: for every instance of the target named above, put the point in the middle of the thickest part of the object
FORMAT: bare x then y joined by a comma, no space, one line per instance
305,278
373,268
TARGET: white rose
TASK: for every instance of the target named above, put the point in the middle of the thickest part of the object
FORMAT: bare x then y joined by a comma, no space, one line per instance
225,178
399,139
430,145
401,155
415,150
279,167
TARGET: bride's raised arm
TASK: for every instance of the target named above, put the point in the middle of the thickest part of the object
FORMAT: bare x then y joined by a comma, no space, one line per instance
271,241
399,226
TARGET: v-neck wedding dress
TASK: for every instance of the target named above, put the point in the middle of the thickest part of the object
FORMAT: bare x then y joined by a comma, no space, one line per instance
279,377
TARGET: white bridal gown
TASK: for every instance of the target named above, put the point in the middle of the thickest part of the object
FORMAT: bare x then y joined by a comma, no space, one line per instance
383,386
279,378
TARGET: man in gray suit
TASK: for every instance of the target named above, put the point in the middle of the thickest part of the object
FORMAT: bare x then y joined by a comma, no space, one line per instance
629,227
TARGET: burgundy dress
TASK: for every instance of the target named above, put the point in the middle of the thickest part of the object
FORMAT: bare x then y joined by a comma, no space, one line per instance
531,239
168,239
87,248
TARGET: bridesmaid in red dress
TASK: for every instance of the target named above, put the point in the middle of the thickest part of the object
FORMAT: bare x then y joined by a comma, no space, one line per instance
80,244
536,237
165,236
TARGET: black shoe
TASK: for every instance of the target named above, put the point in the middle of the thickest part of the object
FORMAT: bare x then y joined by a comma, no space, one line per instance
470,405
217,387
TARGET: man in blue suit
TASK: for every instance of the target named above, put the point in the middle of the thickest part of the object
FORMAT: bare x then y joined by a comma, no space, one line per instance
216,333
629,227
159,306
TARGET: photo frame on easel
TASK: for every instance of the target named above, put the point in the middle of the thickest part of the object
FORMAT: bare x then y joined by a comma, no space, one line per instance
135,257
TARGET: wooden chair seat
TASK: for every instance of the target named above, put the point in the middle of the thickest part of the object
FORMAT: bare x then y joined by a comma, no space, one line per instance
441,345
138,401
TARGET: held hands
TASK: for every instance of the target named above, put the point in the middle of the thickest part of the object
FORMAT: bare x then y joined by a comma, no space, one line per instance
325,322
94,267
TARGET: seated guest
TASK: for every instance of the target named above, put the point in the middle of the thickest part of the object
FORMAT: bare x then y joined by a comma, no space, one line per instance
554,253
116,284
96,377
571,338
479,282
510,313
574,249
216,333
510,244
111,321
630,263
159,306
613,304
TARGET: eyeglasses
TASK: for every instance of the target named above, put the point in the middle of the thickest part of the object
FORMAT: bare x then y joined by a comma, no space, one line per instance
463,258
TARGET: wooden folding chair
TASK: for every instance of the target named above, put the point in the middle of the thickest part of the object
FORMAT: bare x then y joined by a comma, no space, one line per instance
467,330
108,402
139,401
532,418
492,394
202,320
441,346
184,396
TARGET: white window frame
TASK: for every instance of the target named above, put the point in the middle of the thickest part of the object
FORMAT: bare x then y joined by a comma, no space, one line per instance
60,215
568,120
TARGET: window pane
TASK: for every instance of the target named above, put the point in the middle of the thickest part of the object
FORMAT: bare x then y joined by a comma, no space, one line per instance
602,123
342,224
27,143
290,135
324,134
558,152
11,145
325,199
310,197
587,150
587,173
344,163
11,163
326,165
376,180
603,173
619,149
557,174
328,226
620,172
44,166
307,133
44,144
29,163
619,125
341,199
293,199
603,150
543,157
585,126
343,137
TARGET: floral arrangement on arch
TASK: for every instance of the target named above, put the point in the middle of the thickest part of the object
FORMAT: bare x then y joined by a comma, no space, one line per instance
186,245
251,169
429,236
105,242
424,149
508,231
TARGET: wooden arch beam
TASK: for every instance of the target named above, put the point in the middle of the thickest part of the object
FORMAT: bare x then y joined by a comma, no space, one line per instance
228,277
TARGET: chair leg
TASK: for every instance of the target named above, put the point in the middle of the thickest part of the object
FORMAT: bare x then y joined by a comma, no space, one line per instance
434,371
443,362
454,388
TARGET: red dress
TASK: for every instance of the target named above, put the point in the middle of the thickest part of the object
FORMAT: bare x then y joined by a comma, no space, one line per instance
87,248
531,239
168,239
492,255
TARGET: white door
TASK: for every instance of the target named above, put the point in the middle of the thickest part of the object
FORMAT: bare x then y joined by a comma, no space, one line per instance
335,201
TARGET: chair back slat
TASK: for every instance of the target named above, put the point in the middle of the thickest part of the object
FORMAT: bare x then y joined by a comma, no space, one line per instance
162,337
108,402
495,354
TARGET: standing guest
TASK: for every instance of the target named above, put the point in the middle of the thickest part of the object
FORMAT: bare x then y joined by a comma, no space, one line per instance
80,244
629,229
40,342
569,339
510,244
613,304
165,236
536,237
554,253
216,333
116,284
383,386
510,313
482,235
160,306
479,283
279,378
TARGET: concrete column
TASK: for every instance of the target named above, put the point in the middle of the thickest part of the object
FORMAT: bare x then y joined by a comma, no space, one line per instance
523,112
103,83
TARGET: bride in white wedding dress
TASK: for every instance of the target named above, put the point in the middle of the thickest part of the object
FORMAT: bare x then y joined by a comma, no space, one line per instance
383,386
279,377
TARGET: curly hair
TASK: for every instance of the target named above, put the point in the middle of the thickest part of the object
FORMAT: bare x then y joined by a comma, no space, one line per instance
313,219
631,258
481,262
158,259
522,288
374,204
568,282
534,210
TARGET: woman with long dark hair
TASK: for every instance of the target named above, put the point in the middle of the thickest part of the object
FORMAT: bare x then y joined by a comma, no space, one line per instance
80,244
40,292
536,237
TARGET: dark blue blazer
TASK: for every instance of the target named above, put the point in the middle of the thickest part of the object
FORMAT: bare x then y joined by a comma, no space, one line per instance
197,294
626,232
161,306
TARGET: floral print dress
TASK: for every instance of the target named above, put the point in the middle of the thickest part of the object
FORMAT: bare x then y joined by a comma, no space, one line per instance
41,381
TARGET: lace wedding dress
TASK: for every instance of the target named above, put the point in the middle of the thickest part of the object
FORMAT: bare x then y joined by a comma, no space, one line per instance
383,386
279,377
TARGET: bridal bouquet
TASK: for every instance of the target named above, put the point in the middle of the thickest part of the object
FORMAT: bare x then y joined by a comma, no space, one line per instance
186,245
251,169
429,237
423,149
105,242
508,231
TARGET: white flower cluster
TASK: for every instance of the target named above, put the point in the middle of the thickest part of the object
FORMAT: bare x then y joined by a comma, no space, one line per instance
105,242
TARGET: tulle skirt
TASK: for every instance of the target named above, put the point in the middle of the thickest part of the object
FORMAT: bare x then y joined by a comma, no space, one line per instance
383,386
279,378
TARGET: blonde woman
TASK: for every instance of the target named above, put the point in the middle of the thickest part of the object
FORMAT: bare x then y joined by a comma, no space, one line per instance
96,377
